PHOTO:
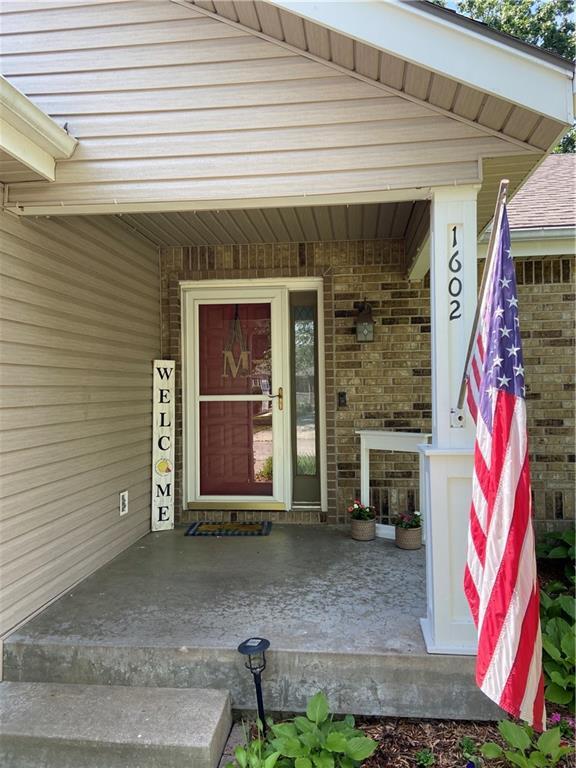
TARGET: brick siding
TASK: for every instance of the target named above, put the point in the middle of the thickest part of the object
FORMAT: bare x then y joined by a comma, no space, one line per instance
546,294
388,382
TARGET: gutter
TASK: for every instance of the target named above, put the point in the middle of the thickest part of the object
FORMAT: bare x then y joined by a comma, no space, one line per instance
29,136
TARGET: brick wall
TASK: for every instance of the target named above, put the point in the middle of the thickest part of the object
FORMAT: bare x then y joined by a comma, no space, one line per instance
546,292
387,382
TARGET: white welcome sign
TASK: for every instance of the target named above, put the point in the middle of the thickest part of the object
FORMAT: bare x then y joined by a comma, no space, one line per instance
163,446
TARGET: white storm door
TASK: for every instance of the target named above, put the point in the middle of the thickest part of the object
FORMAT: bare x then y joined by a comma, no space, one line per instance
238,403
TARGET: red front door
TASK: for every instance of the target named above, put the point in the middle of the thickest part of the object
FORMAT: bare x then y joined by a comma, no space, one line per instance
235,406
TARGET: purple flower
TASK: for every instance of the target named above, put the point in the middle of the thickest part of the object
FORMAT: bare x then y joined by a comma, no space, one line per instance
555,718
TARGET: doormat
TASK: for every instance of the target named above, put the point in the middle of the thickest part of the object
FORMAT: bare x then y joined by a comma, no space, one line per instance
229,529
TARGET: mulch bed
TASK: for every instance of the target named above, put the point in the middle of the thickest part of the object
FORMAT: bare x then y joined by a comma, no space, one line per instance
400,740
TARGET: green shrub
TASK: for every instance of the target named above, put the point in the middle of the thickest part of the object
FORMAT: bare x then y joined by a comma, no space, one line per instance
557,617
526,750
313,741
559,548
424,758
266,471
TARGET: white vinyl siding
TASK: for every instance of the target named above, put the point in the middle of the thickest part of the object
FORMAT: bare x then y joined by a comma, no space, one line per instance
79,319
181,107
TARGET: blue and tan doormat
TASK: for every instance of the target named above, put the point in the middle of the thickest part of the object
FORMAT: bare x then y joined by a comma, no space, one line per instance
229,529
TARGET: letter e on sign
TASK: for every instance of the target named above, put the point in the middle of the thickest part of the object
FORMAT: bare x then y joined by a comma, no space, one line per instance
163,446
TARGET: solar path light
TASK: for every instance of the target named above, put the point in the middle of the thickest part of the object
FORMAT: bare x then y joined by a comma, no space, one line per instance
254,649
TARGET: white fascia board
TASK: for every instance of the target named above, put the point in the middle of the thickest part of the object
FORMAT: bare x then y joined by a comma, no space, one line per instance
351,198
534,233
421,263
525,243
538,242
29,135
404,30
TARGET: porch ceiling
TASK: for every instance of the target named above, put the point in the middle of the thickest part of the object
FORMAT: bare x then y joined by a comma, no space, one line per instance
406,220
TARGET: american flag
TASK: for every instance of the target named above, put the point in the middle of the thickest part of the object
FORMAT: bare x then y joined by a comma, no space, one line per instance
500,578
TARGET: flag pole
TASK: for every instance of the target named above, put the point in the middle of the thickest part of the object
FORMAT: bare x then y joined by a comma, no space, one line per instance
497,221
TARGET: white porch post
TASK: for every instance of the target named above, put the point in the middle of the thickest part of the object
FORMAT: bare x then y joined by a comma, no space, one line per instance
447,462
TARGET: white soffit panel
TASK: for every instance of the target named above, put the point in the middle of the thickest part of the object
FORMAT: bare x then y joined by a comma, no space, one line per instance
448,49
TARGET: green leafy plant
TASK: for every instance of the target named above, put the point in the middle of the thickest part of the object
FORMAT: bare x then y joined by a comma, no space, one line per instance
559,547
559,660
306,464
566,725
525,749
256,753
315,740
265,472
557,617
359,511
424,758
469,750
407,520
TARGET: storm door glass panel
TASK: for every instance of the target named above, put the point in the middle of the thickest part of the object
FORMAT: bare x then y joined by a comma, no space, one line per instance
235,349
304,370
305,377
235,384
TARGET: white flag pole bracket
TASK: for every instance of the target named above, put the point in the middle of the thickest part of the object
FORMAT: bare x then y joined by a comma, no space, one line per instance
457,418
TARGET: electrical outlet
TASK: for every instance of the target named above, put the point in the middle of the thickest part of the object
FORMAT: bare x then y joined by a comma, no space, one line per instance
123,503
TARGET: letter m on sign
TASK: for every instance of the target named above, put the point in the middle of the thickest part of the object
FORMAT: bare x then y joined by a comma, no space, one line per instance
162,501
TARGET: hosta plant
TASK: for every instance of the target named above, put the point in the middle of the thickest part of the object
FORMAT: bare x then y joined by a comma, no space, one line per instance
526,749
559,659
319,741
256,753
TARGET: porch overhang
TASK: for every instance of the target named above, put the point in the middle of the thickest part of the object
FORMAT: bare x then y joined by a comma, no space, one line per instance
29,138
367,92
507,69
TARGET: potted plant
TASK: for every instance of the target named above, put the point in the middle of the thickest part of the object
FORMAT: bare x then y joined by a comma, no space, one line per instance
408,530
363,521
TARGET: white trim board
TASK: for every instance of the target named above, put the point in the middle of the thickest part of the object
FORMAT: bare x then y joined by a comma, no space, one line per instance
168,206
229,289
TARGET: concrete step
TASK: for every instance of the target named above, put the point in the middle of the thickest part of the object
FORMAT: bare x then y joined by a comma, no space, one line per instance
54,725
406,683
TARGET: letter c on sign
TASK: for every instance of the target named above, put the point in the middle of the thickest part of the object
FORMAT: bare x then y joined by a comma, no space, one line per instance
161,446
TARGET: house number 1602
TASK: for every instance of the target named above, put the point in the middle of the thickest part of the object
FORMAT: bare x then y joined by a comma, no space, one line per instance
454,283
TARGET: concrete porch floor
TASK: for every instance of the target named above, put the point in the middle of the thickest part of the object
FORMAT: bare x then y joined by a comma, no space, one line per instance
170,611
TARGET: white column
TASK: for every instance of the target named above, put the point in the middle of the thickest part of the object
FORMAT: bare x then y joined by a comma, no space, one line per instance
447,462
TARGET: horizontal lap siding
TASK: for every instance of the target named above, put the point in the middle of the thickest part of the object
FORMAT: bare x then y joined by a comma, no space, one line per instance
79,320
181,107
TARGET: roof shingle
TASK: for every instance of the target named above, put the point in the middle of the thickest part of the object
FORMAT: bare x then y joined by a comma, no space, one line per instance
548,199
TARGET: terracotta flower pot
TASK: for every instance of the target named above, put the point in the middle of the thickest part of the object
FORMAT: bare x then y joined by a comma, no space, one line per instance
363,530
408,538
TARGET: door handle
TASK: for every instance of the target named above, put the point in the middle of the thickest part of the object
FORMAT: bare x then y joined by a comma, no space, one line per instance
280,397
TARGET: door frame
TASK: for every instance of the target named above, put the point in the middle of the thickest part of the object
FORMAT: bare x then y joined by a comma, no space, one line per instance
226,290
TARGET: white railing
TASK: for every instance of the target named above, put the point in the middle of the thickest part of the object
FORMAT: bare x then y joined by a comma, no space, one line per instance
378,440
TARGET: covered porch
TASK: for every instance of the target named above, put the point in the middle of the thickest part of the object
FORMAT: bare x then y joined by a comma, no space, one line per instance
181,145
341,616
